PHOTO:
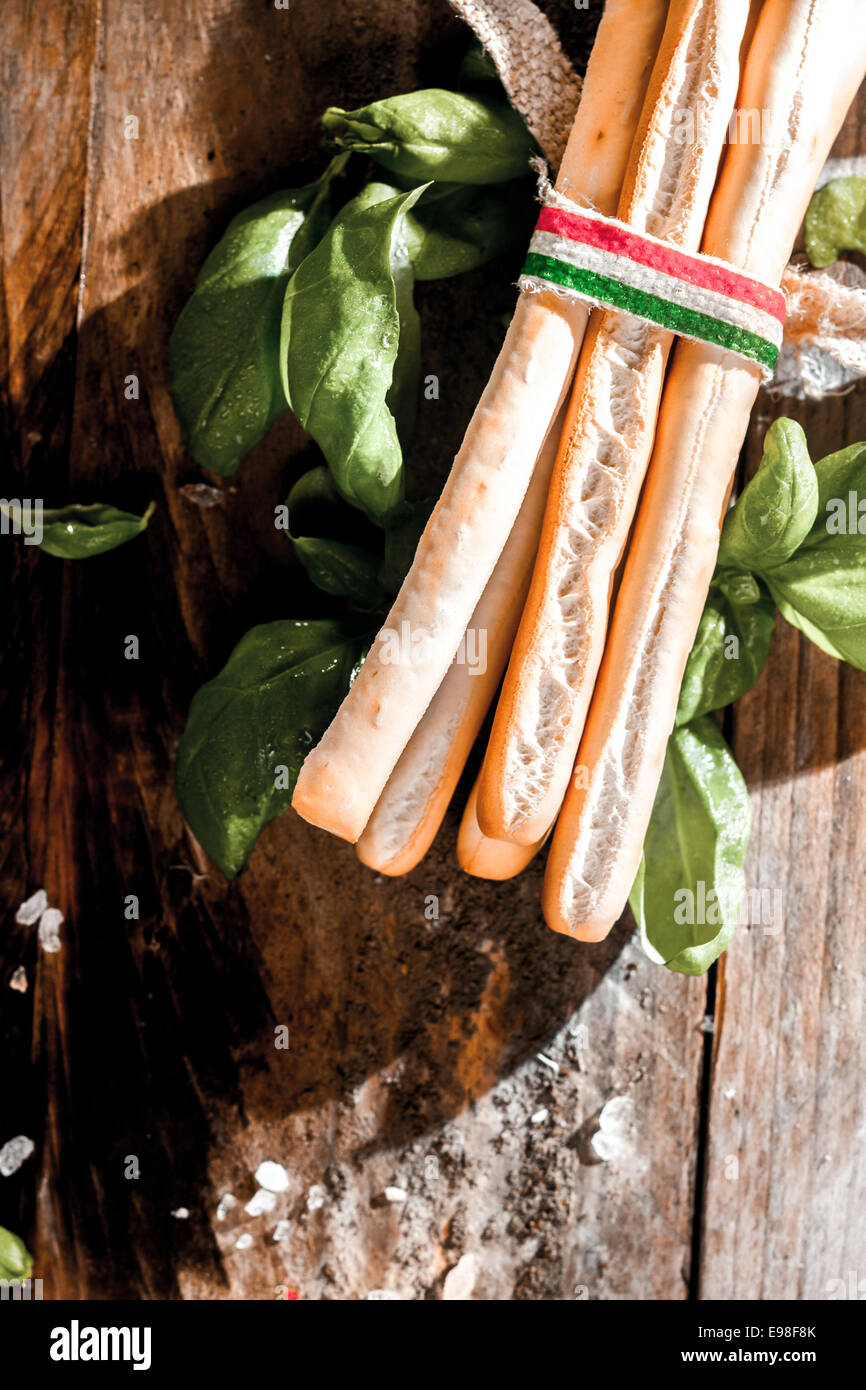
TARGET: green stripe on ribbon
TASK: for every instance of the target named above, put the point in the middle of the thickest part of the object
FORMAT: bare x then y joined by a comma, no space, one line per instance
676,317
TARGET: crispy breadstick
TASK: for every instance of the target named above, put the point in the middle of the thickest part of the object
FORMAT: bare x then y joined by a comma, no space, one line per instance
410,809
485,858
343,777
608,437
803,69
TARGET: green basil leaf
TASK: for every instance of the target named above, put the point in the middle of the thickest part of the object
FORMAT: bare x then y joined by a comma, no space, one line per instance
477,68
340,337
690,884
821,589
401,542
339,567
776,509
224,351
836,220
731,645
16,1262
405,388
77,532
456,227
250,728
455,137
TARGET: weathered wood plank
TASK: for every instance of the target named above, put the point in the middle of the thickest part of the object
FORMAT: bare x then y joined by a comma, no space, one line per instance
47,63
784,1213
413,1037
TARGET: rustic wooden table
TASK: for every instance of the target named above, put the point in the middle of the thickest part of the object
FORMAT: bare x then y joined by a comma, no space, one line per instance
147,1047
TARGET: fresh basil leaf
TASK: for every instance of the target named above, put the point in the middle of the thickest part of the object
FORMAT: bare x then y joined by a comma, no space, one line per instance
836,220
77,532
224,351
731,645
776,509
456,227
16,1262
690,884
821,589
455,137
477,68
405,388
401,542
250,728
340,338
339,567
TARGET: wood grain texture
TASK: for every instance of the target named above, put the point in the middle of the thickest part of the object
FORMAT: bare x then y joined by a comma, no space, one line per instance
416,1009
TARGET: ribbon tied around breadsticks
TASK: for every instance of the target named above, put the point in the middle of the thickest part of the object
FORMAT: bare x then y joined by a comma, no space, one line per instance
584,255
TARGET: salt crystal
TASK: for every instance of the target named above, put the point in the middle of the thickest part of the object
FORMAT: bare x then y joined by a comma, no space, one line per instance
315,1198
460,1281
202,495
272,1176
49,930
181,1214
260,1202
13,1154
282,1229
614,1122
539,1117
547,1061
244,1242
708,1024
395,1194
225,1204
730,1093
19,980
31,910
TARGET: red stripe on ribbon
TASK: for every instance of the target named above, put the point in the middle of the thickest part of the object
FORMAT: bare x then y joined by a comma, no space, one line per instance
656,255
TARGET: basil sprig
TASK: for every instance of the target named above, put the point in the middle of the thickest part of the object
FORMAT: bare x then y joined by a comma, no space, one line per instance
224,352
792,541
250,728
836,220
456,137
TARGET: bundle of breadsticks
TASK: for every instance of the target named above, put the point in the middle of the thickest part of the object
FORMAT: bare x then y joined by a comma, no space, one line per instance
599,461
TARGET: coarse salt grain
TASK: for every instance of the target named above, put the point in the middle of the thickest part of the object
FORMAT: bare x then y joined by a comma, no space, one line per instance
13,1153
260,1202
244,1242
49,930
19,980
225,1204
31,910
272,1176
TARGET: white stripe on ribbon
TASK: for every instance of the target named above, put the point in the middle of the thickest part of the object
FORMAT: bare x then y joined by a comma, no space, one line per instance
658,282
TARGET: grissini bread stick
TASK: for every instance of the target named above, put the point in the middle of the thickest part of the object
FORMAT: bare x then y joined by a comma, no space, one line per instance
482,857
608,436
343,777
804,66
410,809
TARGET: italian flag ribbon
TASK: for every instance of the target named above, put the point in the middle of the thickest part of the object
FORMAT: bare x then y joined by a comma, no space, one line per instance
602,260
